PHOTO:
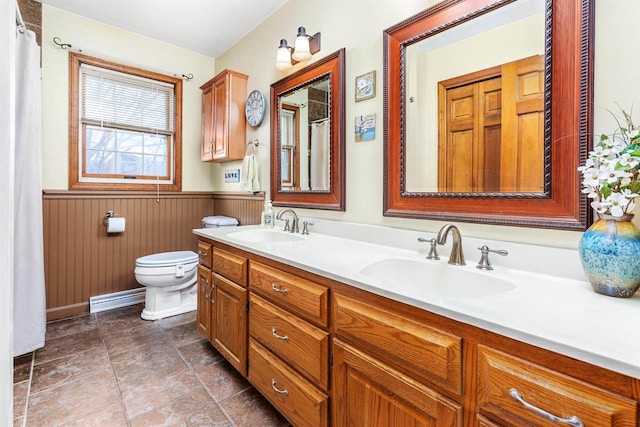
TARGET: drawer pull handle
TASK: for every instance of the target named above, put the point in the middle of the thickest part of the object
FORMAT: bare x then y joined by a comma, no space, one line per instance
206,294
277,390
284,338
202,254
572,420
284,291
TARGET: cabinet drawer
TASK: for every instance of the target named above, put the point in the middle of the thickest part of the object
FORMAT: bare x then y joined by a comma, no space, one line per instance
297,342
297,399
308,299
205,253
231,266
410,346
551,391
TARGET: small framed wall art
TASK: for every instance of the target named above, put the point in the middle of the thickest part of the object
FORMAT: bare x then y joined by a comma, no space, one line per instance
366,86
365,127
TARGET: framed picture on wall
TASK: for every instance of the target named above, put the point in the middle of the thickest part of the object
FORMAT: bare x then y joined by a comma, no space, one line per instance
366,86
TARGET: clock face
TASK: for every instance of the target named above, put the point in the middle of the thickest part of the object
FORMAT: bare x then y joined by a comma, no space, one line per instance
255,108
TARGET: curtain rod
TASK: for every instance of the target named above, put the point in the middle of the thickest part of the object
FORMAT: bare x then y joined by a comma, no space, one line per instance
64,46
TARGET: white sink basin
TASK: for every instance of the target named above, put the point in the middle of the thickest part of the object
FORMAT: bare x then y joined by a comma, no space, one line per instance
439,280
261,235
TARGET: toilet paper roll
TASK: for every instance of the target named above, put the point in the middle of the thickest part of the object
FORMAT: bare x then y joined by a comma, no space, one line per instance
115,225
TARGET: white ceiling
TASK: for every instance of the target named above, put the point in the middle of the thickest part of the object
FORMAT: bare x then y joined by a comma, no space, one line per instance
209,27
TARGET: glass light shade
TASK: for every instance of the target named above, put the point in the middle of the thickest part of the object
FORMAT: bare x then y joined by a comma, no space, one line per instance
302,51
283,58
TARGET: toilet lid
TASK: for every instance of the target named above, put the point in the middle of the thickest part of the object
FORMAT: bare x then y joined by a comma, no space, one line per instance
165,259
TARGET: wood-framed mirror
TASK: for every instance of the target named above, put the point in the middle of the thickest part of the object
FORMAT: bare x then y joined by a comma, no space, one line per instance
475,174
308,136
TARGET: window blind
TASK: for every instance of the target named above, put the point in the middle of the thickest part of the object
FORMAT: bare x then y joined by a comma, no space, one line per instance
111,98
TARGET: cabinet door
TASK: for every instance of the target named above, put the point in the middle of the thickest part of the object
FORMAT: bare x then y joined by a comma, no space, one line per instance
369,393
207,124
220,130
230,322
203,316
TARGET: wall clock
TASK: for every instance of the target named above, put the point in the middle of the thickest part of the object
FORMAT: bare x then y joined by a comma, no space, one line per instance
255,108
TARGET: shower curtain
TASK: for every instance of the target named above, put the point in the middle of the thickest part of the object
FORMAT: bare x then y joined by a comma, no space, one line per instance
29,307
320,156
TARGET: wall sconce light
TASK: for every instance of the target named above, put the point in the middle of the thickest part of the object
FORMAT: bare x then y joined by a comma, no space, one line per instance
305,47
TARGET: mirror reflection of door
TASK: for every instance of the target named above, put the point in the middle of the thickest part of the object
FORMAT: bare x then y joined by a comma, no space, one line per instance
290,145
480,147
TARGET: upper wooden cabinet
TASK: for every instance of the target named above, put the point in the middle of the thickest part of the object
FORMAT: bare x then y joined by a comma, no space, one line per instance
223,119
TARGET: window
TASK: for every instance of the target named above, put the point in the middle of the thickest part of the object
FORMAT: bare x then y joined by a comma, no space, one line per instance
125,127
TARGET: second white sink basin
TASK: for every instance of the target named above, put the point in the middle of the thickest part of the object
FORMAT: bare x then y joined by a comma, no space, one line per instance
262,235
440,280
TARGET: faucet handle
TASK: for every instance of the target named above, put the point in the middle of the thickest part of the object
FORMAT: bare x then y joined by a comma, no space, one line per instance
286,225
305,227
433,252
484,263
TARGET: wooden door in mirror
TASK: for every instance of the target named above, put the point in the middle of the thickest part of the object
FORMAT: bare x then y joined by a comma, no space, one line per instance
312,186
566,123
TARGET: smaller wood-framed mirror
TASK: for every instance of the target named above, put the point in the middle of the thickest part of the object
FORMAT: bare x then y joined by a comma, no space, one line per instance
308,136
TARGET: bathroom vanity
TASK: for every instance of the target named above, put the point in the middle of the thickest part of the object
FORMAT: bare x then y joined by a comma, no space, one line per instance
336,329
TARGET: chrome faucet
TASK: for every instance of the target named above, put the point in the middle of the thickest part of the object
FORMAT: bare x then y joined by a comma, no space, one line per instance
294,220
456,257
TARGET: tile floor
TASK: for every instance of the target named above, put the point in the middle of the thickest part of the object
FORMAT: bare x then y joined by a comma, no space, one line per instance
115,369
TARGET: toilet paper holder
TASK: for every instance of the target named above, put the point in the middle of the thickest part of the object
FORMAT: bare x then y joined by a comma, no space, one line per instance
105,220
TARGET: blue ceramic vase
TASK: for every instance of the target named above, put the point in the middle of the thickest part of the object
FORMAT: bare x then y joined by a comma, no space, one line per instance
610,255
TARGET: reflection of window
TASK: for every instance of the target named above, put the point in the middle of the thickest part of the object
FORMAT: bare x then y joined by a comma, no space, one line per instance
289,146
125,127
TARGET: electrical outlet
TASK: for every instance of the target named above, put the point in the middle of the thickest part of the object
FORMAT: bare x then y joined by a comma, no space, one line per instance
232,175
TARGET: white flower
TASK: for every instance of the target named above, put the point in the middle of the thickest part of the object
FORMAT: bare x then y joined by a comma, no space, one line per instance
618,203
611,172
628,160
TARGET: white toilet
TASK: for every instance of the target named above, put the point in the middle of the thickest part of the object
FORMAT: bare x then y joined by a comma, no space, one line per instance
170,281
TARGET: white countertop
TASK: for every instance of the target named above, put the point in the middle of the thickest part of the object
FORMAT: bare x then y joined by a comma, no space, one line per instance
552,306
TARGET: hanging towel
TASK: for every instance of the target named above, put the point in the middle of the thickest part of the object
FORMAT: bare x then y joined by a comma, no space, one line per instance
249,173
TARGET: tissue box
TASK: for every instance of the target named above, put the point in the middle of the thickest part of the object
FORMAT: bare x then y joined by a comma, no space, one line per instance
218,221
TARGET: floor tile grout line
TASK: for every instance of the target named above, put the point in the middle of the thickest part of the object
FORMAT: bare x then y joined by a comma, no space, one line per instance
204,386
115,380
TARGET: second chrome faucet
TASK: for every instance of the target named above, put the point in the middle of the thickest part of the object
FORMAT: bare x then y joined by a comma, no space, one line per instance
456,257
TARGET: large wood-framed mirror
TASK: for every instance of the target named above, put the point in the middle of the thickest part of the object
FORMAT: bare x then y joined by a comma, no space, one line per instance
488,112
308,136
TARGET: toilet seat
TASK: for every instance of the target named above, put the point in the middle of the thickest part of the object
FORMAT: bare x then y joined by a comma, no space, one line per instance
167,259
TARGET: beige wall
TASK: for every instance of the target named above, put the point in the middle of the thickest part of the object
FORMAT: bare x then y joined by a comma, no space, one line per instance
114,44
357,25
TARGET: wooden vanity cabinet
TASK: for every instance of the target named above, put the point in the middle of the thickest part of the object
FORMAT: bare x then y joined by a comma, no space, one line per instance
205,283
289,343
393,370
229,307
222,302
325,353
505,382
223,117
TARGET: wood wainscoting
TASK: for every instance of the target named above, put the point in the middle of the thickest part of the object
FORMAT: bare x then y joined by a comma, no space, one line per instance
82,260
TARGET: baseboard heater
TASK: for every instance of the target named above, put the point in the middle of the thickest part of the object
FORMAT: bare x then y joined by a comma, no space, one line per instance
116,300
